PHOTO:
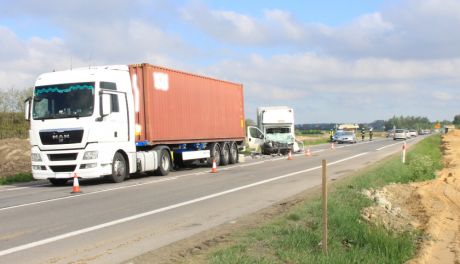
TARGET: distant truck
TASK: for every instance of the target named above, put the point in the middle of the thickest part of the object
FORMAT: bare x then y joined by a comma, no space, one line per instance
111,121
275,130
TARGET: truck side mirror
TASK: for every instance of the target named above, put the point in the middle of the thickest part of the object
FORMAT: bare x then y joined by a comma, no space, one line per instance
27,108
106,104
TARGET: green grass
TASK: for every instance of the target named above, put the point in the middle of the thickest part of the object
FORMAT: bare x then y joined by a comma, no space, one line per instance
13,126
20,177
294,237
316,141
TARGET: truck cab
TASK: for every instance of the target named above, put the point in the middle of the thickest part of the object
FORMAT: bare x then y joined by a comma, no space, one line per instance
81,122
274,132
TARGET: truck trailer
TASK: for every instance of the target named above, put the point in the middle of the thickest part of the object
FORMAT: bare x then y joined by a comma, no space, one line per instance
112,121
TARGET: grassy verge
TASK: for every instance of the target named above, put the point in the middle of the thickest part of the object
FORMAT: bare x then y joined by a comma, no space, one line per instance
317,141
294,237
20,177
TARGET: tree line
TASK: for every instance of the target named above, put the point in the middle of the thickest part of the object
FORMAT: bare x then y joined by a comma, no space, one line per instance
412,122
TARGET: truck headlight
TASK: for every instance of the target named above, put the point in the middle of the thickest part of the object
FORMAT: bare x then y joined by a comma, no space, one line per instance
89,155
36,157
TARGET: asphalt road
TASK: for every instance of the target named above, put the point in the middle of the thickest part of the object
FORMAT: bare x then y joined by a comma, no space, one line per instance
110,223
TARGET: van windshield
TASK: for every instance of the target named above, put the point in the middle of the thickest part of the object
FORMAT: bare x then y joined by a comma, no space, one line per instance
279,134
63,100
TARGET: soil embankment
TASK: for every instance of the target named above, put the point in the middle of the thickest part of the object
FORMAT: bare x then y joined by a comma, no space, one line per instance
14,156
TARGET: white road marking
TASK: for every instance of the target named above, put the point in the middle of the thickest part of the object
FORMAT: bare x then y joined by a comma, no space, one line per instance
21,188
86,194
163,209
388,146
125,187
160,210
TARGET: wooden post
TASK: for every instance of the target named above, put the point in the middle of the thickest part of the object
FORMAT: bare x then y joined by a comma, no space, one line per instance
404,152
324,242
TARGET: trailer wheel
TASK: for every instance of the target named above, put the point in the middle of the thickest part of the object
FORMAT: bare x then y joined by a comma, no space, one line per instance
225,154
119,169
214,148
58,182
165,163
233,153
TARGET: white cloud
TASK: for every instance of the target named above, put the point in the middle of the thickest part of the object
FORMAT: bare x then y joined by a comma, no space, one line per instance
442,96
225,25
103,34
397,60
363,87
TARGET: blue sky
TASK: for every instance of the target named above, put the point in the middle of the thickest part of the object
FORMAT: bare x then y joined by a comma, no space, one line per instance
333,61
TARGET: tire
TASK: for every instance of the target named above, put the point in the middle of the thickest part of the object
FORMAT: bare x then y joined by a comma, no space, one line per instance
233,153
58,182
225,154
119,169
214,148
164,165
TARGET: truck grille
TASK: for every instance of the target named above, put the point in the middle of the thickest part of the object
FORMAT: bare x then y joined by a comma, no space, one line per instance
60,157
55,137
66,168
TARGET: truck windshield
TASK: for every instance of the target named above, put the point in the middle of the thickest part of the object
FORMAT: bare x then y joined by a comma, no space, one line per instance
63,100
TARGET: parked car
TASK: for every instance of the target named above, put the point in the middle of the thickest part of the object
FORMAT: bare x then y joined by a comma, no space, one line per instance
400,134
336,135
346,137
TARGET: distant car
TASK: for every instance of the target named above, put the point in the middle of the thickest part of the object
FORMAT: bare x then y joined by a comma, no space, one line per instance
426,132
400,134
390,133
413,133
407,133
346,137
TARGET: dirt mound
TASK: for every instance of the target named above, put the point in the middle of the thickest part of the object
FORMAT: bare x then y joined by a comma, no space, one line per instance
432,206
394,208
14,156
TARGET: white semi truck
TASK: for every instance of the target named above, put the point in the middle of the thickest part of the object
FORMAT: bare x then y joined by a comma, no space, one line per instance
116,120
275,130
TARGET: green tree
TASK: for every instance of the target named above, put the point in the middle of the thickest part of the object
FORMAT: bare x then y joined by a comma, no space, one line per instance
248,122
456,120
409,122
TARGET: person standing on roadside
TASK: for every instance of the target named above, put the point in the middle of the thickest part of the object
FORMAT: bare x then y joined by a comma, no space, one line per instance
370,134
363,133
331,135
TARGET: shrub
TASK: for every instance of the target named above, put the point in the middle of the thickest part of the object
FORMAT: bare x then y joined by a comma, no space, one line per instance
422,167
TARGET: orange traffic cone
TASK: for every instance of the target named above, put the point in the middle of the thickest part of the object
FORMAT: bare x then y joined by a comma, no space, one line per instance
308,153
214,166
76,185
290,155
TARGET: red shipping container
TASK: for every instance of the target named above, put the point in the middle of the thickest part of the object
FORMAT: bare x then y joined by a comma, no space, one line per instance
178,107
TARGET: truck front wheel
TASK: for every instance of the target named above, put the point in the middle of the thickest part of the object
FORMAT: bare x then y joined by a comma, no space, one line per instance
119,169
165,163
58,182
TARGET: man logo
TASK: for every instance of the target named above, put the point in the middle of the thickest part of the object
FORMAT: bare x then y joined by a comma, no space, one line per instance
61,137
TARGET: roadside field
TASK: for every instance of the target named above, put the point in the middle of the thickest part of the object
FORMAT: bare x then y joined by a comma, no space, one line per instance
353,237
